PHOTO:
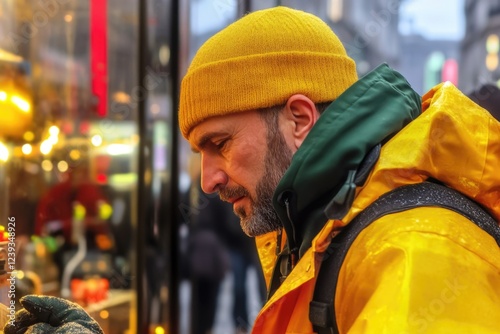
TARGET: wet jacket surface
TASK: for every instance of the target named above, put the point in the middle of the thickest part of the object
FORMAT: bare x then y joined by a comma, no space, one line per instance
425,270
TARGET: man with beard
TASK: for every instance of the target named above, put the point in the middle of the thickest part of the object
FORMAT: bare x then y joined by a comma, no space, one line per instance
302,148
290,136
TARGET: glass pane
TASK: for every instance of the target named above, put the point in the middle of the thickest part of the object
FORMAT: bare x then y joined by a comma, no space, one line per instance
68,162
157,225
222,286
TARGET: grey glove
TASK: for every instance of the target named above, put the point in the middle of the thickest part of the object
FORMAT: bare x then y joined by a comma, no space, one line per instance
51,315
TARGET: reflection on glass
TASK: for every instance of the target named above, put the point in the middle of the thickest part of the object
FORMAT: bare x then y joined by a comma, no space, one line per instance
68,152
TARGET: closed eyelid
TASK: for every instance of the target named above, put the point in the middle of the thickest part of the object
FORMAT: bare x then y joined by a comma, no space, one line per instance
207,139
217,145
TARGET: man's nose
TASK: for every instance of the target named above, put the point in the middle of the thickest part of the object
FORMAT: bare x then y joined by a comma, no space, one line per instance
213,176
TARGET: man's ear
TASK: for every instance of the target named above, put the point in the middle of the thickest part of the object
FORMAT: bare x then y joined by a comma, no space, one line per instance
300,115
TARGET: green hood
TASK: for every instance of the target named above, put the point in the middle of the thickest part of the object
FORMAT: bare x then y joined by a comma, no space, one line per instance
368,113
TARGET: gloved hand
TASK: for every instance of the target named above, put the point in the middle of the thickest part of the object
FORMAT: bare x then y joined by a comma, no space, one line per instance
51,315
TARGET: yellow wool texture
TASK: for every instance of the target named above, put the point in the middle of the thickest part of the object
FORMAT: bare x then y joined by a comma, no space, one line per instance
260,61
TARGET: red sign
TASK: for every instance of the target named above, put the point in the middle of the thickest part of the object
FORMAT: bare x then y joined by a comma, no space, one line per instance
450,71
99,54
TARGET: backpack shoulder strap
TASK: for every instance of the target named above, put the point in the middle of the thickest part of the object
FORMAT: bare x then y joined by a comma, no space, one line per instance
322,306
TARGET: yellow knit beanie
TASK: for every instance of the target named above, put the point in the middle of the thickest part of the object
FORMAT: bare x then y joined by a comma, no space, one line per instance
260,61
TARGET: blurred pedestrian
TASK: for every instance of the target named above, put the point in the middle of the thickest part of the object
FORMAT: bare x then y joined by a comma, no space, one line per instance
207,256
244,257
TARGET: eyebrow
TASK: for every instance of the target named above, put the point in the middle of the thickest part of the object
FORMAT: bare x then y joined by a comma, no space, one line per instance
204,140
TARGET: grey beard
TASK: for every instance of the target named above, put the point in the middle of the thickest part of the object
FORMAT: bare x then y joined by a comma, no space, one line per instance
263,219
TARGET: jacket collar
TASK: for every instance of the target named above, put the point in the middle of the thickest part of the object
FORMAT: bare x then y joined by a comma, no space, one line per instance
368,113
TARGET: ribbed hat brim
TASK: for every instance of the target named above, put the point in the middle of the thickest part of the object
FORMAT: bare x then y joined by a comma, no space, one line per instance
261,81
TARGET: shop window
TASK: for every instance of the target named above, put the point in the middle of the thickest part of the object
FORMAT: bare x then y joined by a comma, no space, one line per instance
68,150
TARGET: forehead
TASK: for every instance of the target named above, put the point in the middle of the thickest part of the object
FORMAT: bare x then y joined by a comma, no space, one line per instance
223,125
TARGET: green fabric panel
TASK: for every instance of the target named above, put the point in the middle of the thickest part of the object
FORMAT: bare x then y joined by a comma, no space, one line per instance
369,112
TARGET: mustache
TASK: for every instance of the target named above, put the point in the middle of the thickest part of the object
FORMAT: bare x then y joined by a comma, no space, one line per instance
227,193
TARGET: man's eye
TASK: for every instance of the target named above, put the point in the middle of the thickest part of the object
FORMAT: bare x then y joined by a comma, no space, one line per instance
221,144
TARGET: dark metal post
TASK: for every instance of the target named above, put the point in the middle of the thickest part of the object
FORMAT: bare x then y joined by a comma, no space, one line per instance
173,227
142,189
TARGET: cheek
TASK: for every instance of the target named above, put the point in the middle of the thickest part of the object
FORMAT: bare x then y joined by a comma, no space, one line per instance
247,165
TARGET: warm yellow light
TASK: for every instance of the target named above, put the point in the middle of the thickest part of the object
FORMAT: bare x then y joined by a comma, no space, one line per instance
21,103
492,44
492,61
120,180
54,130
96,140
122,97
3,95
164,54
20,274
53,140
45,147
40,250
47,165
62,166
4,152
105,210
68,18
27,149
104,314
29,136
10,57
119,149
74,154
159,330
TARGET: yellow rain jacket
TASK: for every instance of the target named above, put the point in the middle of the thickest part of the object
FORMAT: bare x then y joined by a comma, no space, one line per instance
425,270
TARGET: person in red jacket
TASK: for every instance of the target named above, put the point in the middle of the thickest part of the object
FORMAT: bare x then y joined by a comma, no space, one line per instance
71,209
74,198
